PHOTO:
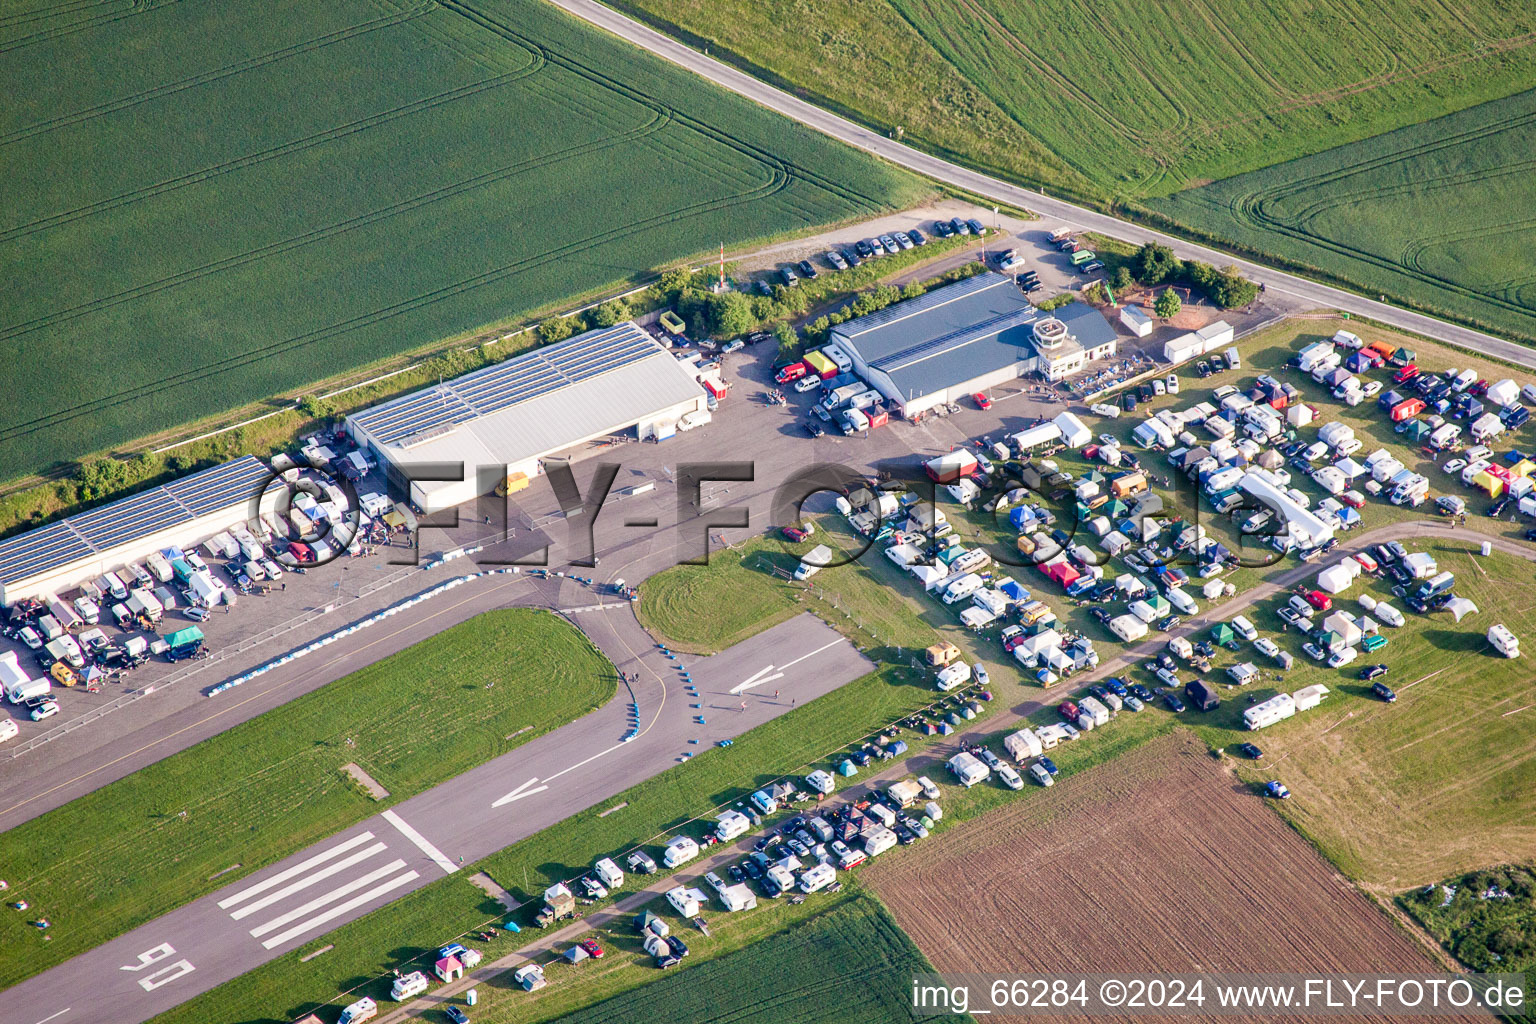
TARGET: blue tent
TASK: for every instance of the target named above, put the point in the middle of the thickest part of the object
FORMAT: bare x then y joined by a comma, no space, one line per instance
1013,591
1020,517
1348,517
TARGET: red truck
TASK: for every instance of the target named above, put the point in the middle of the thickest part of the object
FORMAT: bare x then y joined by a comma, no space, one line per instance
792,373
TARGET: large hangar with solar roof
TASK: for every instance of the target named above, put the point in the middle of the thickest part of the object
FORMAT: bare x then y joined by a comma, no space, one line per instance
54,558
516,413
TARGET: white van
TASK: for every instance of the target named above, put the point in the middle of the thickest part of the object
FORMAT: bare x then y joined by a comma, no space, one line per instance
821,782
963,588
408,986
679,850
356,1013
731,824
818,878
1232,360
954,675
113,584
1244,628
608,873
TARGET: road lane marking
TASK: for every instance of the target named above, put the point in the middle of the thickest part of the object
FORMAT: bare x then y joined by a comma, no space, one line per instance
297,869
420,842
61,1013
329,897
307,881
520,792
342,908
817,651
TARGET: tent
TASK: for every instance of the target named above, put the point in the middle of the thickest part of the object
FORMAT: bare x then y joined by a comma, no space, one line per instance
1270,459
1416,431
1334,580
1061,572
1460,607
575,955
1130,585
1505,393
1021,517
1222,633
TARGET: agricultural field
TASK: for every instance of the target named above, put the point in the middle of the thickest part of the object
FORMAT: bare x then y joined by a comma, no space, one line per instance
1182,864
214,204
1436,212
250,796
784,971
1114,99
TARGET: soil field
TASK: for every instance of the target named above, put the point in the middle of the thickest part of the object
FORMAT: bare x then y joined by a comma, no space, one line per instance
1176,863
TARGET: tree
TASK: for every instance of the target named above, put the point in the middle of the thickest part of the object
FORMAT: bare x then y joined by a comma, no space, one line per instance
730,314
789,343
1121,279
1155,264
1168,304
557,329
614,311
913,290
316,408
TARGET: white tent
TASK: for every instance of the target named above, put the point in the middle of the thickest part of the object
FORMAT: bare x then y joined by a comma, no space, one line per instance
1343,623
1334,580
1460,607
1130,585
1116,542
1505,393
1073,431
1299,415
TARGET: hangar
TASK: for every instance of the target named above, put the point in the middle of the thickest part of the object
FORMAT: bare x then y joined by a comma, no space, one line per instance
501,421
61,555
967,337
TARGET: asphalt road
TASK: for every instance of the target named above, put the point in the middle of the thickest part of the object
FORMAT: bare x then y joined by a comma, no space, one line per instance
260,917
1068,215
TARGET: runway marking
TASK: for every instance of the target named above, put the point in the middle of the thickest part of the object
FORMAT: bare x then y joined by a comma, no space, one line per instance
61,1013
321,900
297,869
757,679
520,792
298,677
304,883
342,908
420,842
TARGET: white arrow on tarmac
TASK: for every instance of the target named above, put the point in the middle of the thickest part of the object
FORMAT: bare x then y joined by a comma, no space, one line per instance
520,792
762,676
757,679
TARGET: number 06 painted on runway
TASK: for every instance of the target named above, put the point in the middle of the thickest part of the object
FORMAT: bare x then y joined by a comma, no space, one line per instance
165,975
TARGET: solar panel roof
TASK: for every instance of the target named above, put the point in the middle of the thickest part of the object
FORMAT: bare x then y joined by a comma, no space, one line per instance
122,522
428,413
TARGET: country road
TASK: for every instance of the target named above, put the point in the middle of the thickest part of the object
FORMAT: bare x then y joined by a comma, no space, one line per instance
1056,210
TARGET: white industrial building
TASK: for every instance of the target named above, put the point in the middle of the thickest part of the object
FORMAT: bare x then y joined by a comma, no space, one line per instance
62,555
967,337
501,421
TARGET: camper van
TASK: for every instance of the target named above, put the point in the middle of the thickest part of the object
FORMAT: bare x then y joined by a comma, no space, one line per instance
962,588
356,1013
679,850
408,986
968,769
952,676
812,563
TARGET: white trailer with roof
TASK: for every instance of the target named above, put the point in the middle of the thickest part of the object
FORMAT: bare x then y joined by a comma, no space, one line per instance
1023,744
1276,709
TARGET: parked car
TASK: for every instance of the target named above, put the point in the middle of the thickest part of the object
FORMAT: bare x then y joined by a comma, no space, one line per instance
1250,751
1174,704
835,260
1384,691
1373,672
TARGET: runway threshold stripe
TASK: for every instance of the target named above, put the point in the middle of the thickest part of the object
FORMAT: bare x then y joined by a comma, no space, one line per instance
420,841
340,909
330,897
304,883
297,869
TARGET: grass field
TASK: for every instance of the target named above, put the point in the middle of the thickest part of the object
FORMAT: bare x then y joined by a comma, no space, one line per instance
1486,919
206,204
1116,98
1437,212
138,847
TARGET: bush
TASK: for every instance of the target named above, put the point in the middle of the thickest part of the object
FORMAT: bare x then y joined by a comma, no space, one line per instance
614,311
1122,278
789,342
558,329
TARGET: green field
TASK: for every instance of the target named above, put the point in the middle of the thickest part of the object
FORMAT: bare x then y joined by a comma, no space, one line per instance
250,796
1486,919
210,202
799,975
1117,98
1438,212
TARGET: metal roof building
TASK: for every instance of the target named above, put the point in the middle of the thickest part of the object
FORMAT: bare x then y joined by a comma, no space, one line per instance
57,557
511,415
958,339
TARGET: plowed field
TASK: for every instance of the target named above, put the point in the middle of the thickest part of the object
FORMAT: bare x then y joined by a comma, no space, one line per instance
1160,861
